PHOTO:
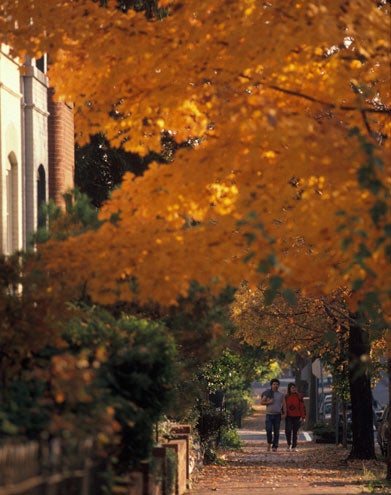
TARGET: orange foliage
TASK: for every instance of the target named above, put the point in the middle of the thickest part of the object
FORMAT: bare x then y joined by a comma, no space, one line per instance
309,328
270,90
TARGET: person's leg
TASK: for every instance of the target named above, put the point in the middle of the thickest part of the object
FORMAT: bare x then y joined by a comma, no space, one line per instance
269,429
288,430
276,429
295,429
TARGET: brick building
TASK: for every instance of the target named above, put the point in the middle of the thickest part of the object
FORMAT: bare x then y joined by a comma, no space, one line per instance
36,148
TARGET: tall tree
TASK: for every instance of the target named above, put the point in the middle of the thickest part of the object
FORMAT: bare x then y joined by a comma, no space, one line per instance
275,148
287,106
316,327
360,387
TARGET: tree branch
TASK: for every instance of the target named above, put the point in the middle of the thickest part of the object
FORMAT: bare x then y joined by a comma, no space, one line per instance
330,105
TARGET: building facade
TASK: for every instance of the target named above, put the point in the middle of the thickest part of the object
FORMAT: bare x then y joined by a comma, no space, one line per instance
36,149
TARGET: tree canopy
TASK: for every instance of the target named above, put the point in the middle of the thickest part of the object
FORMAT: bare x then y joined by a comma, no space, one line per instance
287,107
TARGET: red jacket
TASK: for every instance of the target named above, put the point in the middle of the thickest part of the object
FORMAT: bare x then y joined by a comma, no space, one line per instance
295,405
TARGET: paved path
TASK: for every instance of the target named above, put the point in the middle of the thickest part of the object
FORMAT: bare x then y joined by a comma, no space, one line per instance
259,437
315,470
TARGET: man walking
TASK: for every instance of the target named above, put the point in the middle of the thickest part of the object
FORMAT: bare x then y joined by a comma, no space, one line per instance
275,410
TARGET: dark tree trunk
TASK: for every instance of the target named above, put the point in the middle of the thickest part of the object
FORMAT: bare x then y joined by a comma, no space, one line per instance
389,415
360,393
301,385
313,405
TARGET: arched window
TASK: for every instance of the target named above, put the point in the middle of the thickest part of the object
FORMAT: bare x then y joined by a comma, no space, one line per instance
41,196
12,204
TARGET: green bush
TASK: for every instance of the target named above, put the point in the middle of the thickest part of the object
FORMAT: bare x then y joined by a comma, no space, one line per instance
20,410
211,422
230,439
171,470
136,377
112,380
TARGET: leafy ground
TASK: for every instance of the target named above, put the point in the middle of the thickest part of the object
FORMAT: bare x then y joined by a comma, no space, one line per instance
314,469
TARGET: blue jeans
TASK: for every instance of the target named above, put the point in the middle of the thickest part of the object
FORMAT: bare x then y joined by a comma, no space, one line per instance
272,425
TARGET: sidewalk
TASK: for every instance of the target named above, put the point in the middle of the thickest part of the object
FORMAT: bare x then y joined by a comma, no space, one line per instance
316,469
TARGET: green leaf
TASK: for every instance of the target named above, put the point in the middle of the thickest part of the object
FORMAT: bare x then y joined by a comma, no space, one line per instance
114,218
248,257
379,241
345,243
250,236
275,284
342,227
362,233
367,181
363,252
357,284
290,296
378,210
330,337
267,263
354,131
378,162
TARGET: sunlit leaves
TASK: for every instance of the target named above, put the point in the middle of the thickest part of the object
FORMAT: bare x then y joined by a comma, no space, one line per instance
267,95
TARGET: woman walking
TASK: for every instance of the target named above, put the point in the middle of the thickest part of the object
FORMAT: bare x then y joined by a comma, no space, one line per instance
295,413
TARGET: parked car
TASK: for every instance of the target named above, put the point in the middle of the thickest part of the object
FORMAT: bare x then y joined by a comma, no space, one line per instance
325,407
326,411
378,410
382,431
